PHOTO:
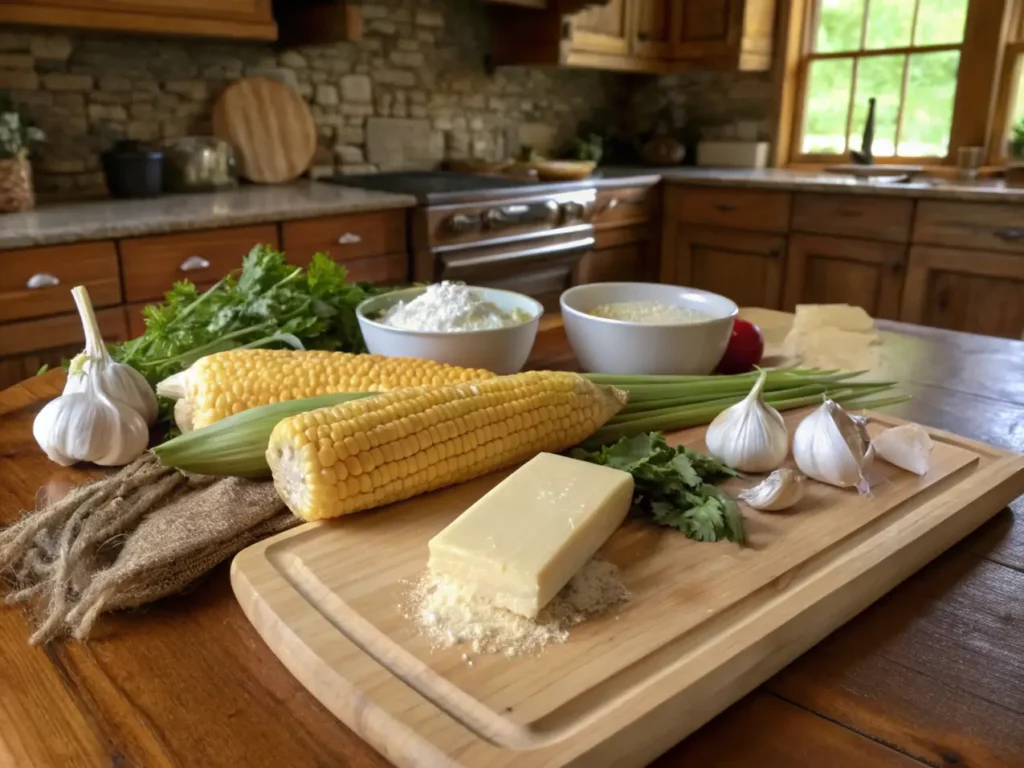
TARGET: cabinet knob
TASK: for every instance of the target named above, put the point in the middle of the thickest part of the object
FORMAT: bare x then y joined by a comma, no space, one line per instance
774,253
193,263
1009,235
610,205
349,238
725,207
643,37
42,280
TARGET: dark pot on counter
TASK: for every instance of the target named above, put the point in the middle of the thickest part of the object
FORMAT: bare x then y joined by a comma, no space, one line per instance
133,170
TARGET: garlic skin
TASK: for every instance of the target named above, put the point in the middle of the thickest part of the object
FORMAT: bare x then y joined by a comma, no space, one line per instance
115,380
102,415
831,447
908,446
780,490
751,435
88,426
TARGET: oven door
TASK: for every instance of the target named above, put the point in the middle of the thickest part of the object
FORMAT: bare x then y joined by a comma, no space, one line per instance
541,267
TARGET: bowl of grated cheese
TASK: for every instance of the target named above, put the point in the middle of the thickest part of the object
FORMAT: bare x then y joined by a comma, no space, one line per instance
453,323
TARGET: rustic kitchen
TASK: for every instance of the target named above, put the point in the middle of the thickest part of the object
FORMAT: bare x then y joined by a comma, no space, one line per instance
512,382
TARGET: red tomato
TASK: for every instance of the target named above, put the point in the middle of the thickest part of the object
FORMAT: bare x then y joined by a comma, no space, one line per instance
746,346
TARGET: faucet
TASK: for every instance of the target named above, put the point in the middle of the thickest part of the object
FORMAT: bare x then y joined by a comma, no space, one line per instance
864,156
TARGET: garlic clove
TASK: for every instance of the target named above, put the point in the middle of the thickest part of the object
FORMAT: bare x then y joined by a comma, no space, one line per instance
832,447
780,490
908,446
749,436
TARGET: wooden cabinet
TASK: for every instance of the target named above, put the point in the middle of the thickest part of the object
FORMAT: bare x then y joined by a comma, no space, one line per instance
747,267
248,19
660,36
371,246
842,270
151,265
603,29
626,247
972,291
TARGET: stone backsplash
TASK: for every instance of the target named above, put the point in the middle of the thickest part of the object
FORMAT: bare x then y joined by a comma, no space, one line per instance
412,93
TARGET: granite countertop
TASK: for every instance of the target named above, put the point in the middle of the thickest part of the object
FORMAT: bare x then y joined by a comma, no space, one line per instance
105,219
983,190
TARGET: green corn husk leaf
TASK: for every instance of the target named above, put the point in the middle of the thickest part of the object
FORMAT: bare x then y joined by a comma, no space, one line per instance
237,445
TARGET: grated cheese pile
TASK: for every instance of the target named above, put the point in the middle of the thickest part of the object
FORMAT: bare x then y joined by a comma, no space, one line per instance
447,615
450,307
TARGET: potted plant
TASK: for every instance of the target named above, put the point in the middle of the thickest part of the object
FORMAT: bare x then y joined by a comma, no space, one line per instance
1015,144
16,135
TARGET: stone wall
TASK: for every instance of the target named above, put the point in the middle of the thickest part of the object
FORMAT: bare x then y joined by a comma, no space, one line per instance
413,92
721,105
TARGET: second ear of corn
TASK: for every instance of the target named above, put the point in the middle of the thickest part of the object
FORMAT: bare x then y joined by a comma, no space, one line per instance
226,383
366,453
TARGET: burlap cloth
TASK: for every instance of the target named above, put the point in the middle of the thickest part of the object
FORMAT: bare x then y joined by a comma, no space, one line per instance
128,539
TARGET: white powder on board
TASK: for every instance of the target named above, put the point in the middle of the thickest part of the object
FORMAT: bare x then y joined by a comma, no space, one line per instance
446,615
449,306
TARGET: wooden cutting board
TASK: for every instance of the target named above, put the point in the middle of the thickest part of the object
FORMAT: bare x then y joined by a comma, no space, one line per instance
706,623
270,126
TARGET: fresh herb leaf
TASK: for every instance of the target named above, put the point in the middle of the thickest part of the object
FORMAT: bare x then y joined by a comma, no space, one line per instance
673,486
269,303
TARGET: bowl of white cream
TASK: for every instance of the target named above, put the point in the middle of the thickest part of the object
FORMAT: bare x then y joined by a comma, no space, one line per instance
453,323
647,328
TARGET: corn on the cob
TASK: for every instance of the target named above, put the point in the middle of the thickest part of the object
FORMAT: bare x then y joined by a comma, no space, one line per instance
382,449
226,383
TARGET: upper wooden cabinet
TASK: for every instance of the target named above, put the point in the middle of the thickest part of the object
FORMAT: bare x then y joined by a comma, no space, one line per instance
246,19
639,35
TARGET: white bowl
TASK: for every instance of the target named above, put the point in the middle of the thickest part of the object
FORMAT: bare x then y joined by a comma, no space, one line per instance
603,345
500,350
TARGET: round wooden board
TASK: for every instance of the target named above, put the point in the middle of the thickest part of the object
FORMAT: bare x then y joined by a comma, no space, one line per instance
271,127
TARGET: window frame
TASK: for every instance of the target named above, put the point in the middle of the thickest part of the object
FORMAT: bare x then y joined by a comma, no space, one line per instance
1012,69
976,112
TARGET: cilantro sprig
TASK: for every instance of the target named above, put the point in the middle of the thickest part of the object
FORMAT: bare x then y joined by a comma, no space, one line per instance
270,303
673,486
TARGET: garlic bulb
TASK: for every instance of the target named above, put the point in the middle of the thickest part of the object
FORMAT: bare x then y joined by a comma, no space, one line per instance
115,380
780,490
103,413
831,447
908,446
751,435
89,426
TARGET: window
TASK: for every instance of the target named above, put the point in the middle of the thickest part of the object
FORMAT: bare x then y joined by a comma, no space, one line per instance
903,53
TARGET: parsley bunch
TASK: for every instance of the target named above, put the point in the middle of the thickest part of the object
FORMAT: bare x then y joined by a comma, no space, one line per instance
270,303
672,486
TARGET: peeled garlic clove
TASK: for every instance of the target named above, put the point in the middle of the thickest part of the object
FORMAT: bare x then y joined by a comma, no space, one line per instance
831,447
780,490
751,435
908,446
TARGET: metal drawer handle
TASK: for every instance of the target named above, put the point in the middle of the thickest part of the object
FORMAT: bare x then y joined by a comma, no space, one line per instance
42,280
725,207
1009,235
192,263
349,238
611,204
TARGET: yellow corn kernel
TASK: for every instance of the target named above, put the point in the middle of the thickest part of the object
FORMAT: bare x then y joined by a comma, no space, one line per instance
225,383
438,448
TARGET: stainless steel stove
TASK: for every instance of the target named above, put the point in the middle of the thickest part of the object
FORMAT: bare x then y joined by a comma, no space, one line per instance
495,231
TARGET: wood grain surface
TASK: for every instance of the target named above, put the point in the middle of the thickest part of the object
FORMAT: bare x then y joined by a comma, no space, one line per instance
187,682
270,126
703,626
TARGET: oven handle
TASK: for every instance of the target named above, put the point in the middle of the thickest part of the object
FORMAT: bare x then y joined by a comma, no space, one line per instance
581,244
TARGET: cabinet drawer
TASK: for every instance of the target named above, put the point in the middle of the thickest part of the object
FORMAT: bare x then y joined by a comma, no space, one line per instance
151,265
988,226
352,236
60,331
874,218
38,281
731,208
625,205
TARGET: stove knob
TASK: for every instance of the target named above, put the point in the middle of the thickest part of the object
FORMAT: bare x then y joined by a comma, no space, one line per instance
461,223
573,212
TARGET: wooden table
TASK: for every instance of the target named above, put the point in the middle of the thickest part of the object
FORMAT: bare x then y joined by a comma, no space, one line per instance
933,674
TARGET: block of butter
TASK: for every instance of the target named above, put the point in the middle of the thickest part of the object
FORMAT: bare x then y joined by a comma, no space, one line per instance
521,543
